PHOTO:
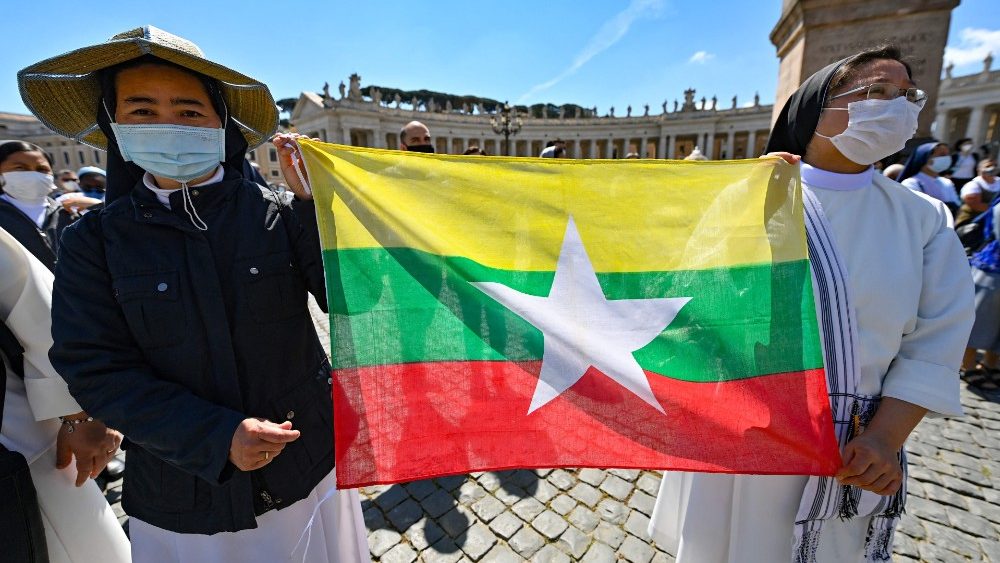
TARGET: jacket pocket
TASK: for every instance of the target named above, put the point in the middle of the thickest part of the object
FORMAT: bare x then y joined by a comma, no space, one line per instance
309,407
273,287
153,308
163,487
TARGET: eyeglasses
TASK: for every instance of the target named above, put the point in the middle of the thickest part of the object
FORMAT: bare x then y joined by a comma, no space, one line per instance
886,91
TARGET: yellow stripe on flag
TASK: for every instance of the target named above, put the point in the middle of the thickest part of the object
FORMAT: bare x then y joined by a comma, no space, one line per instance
511,213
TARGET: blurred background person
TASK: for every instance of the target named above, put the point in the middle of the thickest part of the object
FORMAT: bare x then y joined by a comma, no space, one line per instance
979,193
964,163
67,182
892,171
922,173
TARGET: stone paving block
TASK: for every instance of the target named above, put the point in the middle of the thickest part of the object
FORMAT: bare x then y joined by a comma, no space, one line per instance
549,554
987,510
526,542
509,493
972,524
612,511
961,486
921,473
373,518
586,494
457,521
405,514
399,554
389,498
489,481
961,460
488,508
609,534
524,478
617,487
420,490
636,550
562,504
926,510
584,518
573,542
451,482
991,549
527,509
637,524
381,541
501,554
544,492
478,540
936,465
424,534
592,477
642,502
951,539
599,553
628,474
543,473
470,492
940,494
662,557
506,525
561,479
648,483
911,526
549,524
438,503
905,545
444,551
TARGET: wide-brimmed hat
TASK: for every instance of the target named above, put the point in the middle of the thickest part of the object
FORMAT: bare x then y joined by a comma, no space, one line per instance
63,91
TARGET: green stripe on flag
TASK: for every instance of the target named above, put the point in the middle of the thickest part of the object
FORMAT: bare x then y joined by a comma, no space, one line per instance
392,306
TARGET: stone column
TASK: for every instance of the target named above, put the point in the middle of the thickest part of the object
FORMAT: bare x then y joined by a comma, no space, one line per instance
940,126
609,151
730,138
661,149
814,33
576,148
709,149
672,146
752,144
975,129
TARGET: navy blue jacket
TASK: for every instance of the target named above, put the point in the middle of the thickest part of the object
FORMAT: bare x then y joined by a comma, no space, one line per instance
174,336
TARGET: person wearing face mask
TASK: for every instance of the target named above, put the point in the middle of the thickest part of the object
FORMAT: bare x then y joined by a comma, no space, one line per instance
415,137
980,192
168,300
964,163
27,210
894,299
67,181
922,173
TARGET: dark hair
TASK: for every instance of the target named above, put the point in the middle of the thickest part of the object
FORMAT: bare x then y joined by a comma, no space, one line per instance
848,72
960,142
107,76
12,147
558,152
473,150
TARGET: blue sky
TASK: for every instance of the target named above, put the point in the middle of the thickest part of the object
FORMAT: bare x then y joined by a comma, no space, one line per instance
609,53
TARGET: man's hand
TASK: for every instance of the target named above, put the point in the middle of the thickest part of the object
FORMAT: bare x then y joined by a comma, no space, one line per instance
285,144
257,441
871,464
92,444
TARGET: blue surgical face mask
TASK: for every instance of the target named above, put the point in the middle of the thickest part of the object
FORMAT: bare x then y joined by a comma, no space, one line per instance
178,152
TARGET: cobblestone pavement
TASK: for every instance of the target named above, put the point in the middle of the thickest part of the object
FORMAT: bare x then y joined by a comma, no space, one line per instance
953,510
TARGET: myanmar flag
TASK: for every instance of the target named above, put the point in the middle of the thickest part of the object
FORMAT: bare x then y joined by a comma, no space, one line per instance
492,313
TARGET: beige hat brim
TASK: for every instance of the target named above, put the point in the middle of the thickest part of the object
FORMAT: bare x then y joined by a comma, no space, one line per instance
64,91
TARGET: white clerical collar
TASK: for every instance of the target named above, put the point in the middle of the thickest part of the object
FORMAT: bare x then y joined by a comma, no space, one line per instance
163,196
824,179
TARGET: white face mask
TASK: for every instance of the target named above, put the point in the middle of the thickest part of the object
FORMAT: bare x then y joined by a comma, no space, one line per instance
966,147
29,187
876,129
940,163
71,185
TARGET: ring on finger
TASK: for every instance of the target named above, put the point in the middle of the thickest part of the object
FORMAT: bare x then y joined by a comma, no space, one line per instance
267,455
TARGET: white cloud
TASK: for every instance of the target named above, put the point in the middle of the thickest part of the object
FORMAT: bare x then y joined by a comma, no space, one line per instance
973,46
701,57
610,33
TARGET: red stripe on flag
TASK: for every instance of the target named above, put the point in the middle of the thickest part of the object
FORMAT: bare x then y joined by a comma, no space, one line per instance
405,422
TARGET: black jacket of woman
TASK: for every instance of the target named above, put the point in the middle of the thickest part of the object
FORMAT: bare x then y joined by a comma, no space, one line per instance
174,336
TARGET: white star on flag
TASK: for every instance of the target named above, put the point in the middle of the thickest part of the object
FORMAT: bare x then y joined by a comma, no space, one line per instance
582,328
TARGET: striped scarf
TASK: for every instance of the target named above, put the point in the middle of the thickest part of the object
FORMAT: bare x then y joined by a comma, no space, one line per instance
824,498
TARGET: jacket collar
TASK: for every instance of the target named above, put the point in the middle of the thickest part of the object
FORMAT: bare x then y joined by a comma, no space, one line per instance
206,197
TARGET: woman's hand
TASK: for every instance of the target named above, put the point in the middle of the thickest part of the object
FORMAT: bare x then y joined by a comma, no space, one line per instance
257,442
786,156
92,444
871,464
285,144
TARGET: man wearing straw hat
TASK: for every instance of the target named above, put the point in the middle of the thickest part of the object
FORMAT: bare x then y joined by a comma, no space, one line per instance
179,311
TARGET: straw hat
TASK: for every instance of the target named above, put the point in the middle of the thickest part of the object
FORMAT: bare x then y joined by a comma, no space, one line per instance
63,91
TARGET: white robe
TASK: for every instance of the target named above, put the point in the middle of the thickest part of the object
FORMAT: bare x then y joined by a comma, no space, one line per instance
912,294
80,527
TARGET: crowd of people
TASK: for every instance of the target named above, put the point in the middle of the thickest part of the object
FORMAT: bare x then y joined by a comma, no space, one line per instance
140,306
